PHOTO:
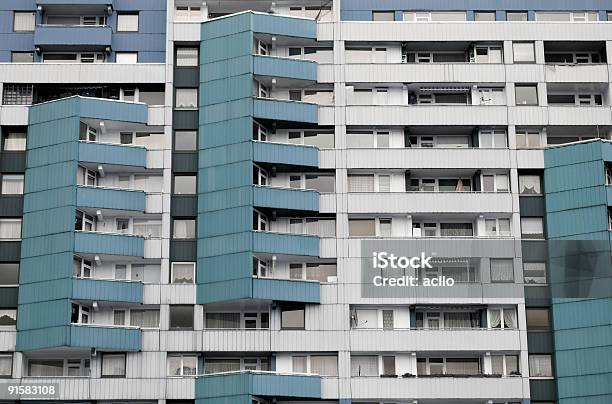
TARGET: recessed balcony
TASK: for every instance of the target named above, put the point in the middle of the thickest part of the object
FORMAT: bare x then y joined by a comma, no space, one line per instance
107,290
285,243
284,153
284,68
111,198
285,198
105,337
116,154
89,242
285,110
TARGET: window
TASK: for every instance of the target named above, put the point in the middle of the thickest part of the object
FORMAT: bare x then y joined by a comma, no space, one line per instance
540,366
184,228
529,185
6,365
502,270
383,16
532,227
123,226
497,227
181,317
9,274
14,141
504,365
524,52
186,98
293,316
10,229
484,16
488,54
534,273
324,365
185,184
528,138
495,183
113,365
185,140
384,227
127,23
526,94
362,227
119,317
126,57
361,182
186,57
17,94
388,365
188,13
144,318
24,21
182,365
495,139
425,16
22,57
538,319
387,319
516,16
12,184
364,365
299,364
504,318
8,317
567,16
183,272
46,368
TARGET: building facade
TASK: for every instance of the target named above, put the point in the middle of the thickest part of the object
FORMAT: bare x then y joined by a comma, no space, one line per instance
191,193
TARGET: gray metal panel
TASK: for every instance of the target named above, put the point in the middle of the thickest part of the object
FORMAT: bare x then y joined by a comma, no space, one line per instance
12,162
540,342
534,250
544,390
8,297
186,120
186,77
537,296
11,206
184,205
10,251
183,250
532,206
185,162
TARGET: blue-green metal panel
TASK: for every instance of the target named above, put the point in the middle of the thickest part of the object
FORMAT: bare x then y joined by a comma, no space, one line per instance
116,338
225,291
77,35
258,384
285,110
281,153
286,198
74,2
287,290
107,290
290,244
609,194
284,25
284,67
108,198
229,88
121,155
110,244
41,338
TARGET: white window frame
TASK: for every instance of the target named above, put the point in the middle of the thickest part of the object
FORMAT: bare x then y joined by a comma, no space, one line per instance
193,264
12,221
497,232
126,57
496,182
549,356
10,357
505,364
108,354
489,49
29,25
125,22
191,13
502,324
85,270
19,179
527,135
182,357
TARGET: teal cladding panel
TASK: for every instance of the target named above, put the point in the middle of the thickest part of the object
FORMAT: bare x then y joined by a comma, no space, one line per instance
115,338
287,290
284,26
109,244
286,198
285,110
120,155
285,67
258,384
107,290
280,153
290,244
108,198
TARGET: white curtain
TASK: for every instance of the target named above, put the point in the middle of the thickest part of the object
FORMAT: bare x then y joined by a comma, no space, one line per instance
12,184
361,183
327,228
324,365
509,318
502,270
299,364
149,229
113,365
144,318
360,139
6,365
221,365
362,365
10,229
222,320
384,183
459,366
457,320
540,366
494,318
187,57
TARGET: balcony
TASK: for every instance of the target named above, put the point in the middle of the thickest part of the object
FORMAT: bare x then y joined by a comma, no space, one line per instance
269,384
434,114
576,73
284,243
116,154
286,290
284,67
448,388
107,290
108,244
284,153
57,37
105,337
74,2
285,110
579,115
285,198
111,198
425,73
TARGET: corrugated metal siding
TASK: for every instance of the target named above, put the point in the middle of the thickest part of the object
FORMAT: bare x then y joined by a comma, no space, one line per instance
105,198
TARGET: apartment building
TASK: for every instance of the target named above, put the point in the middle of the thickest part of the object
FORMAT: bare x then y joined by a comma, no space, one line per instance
190,189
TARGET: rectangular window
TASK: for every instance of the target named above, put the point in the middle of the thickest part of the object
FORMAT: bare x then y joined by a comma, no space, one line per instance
324,365
299,364
127,23
534,273
526,94
10,229
388,365
186,57
532,227
384,183
361,182
484,16
18,94
223,320
24,21
502,318
181,317
144,318
502,270
12,184
185,184
387,319
293,316
524,52
362,227
49,368
184,228
9,274
185,140
528,138
14,141
516,16
22,57
186,98
182,365
113,365
8,317
529,185
538,319
364,365
6,365
183,272
383,16
126,57
540,366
